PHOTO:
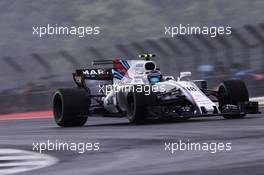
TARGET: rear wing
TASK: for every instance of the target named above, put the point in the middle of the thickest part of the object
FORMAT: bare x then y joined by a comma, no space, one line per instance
102,62
119,67
80,75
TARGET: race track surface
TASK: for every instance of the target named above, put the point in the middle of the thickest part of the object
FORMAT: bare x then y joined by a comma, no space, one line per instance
127,149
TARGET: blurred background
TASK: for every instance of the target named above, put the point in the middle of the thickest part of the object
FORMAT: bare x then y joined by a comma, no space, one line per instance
31,68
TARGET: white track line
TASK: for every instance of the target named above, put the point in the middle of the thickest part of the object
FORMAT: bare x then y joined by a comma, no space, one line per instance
20,161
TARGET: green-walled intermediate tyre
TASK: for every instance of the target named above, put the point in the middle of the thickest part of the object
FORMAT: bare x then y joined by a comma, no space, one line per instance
71,107
232,92
137,103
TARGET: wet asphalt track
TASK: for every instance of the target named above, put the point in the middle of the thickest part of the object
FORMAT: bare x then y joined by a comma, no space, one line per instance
129,149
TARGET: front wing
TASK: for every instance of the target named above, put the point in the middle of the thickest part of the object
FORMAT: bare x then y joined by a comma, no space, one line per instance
242,108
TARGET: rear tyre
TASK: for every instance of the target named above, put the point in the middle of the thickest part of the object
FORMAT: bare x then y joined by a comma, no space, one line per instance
137,103
71,107
232,92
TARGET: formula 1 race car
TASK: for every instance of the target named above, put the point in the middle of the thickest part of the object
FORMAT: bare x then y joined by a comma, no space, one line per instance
136,89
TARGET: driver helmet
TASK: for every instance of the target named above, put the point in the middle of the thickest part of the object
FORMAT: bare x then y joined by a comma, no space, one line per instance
154,77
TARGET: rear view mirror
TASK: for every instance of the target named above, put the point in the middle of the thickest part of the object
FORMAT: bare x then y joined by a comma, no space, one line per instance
184,74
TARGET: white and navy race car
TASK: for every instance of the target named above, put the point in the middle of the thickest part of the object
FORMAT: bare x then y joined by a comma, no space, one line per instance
136,89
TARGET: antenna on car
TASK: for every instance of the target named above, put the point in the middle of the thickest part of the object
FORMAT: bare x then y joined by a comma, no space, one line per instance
147,56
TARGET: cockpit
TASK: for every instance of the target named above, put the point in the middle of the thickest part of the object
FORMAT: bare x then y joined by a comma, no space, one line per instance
149,71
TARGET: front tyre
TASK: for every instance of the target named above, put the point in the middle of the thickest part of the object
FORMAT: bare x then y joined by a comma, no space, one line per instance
137,104
71,107
231,92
